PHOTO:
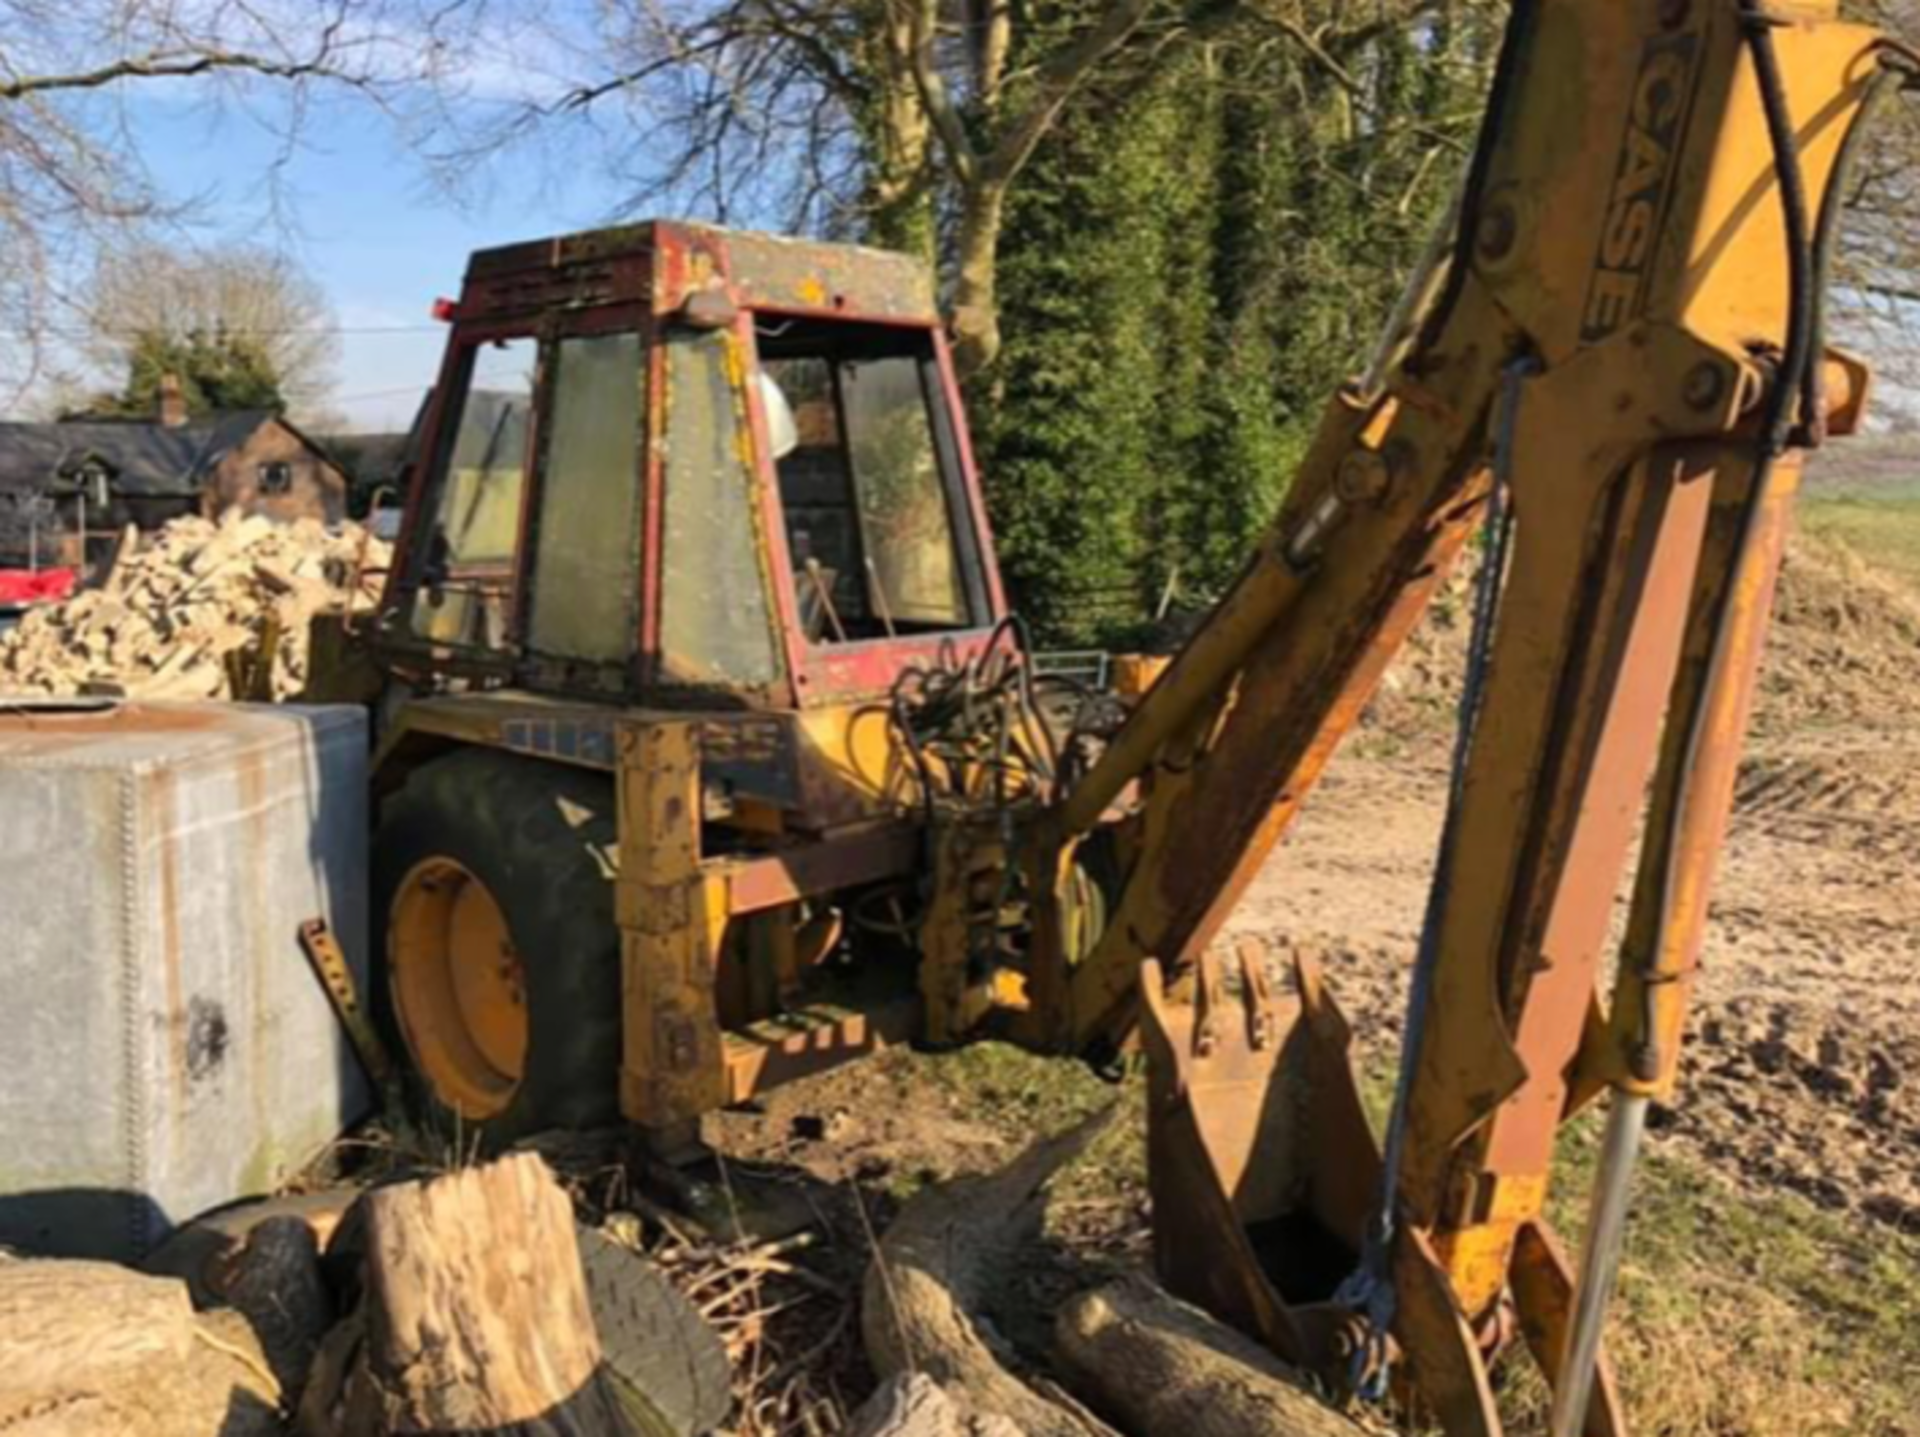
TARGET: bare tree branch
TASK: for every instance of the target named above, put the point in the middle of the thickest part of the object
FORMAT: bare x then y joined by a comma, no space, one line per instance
1056,80
964,160
164,66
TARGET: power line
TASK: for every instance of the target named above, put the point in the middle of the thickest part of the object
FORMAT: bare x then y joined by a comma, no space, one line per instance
419,388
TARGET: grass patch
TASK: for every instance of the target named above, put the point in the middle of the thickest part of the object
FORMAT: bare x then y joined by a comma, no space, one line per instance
1745,1315
1868,498
1737,1315
1028,1097
1883,531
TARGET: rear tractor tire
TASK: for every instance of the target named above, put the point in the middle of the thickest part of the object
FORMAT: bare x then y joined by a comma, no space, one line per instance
500,980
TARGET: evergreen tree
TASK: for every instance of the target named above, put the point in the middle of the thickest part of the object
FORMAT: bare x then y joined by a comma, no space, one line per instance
216,371
1199,260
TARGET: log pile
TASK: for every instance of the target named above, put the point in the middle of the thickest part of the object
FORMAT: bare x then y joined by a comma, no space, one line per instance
461,1303
198,610
1133,1356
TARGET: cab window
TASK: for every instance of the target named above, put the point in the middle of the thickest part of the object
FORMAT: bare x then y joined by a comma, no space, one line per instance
715,627
584,590
875,515
463,579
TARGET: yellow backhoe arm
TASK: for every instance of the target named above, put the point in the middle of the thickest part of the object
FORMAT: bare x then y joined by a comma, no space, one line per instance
1619,357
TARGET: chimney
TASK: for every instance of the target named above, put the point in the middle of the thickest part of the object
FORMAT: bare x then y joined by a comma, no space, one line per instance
173,403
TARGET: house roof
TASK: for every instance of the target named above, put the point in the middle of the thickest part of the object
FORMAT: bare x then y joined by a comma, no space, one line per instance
369,459
147,459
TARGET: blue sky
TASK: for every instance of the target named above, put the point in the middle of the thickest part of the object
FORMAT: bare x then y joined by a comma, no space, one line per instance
354,207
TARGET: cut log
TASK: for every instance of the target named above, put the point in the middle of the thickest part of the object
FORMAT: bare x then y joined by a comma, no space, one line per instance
947,1250
1155,1364
908,1405
273,1280
90,1349
474,1319
913,1405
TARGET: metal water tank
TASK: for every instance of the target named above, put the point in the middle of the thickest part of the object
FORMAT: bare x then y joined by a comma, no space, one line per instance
166,1045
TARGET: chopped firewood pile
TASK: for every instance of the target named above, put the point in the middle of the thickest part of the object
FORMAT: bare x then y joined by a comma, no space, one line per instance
198,610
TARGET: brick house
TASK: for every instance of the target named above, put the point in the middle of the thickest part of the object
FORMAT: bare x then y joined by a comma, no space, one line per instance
105,474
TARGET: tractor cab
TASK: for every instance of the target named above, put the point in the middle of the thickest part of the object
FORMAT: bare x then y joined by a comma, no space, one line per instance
674,465
688,508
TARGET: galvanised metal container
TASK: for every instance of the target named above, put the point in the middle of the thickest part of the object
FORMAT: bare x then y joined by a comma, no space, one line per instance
166,1046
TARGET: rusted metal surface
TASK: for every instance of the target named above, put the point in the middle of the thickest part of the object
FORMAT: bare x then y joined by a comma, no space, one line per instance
792,276
1237,755
1260,1162
330,966
1543,1302
761,1056
672,917
838,673
1656,974
1639,264
543,277
1442,1374
640,276
822,770
1585,655
822,867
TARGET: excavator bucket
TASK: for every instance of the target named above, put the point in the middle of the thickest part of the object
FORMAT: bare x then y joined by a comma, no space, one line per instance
1262,1167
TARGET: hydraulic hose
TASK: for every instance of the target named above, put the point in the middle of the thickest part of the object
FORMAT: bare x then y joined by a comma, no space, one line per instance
1826,243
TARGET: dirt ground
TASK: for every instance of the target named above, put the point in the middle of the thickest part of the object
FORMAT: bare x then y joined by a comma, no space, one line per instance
1801,1070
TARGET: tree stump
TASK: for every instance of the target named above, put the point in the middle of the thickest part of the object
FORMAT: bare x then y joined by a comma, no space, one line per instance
474,1318
1155,1364
942,1255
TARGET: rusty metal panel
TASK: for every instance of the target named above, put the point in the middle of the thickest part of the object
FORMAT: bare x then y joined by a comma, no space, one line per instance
773,272
170,1048
576,271
673,918
806,869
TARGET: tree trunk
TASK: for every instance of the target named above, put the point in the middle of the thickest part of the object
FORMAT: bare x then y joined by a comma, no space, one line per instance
976,302
475,1318
899,185
949,1248
1155,1364
991,24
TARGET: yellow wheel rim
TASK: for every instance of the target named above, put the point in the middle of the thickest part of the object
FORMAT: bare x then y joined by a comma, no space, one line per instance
458,987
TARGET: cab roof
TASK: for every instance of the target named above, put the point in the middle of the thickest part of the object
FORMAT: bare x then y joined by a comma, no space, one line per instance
660,263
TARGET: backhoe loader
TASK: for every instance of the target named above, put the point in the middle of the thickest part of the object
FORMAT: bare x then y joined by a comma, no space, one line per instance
712,755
